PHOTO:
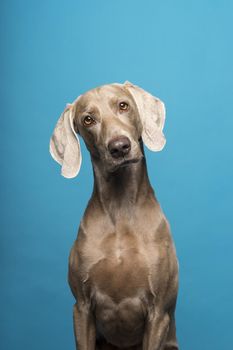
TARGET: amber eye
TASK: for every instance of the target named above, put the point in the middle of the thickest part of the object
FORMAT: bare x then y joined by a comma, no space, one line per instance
88,121
123,106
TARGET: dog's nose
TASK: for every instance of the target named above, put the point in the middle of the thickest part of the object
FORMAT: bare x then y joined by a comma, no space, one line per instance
119,147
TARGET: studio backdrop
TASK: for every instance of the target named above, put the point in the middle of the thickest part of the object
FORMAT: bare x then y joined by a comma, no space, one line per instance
53,51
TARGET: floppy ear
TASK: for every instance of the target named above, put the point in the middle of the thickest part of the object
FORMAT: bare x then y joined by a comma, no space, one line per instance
64,144
152,114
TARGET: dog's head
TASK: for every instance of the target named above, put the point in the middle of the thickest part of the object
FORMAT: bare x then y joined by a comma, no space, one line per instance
112,119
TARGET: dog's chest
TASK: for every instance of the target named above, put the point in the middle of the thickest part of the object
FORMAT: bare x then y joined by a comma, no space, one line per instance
122,268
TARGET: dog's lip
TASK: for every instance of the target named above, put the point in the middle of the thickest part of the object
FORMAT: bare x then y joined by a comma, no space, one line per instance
125,162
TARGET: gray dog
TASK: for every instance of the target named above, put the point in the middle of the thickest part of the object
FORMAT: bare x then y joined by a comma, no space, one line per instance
123,269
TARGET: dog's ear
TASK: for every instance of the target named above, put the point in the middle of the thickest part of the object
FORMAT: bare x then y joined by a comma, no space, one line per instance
152,114
64,144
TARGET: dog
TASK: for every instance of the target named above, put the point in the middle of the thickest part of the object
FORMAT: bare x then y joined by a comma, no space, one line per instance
123,269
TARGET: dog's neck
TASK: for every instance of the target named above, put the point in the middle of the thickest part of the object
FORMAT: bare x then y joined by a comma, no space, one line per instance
123,190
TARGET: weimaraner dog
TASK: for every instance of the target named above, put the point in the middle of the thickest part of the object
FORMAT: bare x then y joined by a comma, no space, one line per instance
123,270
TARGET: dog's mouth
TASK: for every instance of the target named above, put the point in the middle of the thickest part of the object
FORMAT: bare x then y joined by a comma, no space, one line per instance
125,163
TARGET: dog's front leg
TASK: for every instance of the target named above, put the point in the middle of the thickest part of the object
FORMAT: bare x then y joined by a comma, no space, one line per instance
84,328
156,331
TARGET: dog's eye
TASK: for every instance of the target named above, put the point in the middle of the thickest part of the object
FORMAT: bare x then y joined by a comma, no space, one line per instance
88,121
123,106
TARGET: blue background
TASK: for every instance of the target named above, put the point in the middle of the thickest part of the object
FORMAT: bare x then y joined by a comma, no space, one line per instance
52,51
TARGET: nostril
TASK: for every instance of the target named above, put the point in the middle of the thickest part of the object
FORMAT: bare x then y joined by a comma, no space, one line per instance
126,147
114,151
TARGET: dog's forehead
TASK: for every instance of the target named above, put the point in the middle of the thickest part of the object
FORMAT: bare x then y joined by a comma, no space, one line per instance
102,93
106,91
